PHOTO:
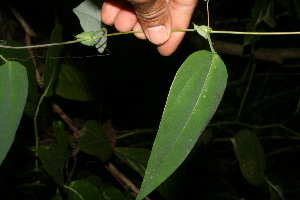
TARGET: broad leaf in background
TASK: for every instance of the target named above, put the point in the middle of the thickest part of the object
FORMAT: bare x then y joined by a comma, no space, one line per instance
94,141
22,56
53,159
83,190
194,96
110,193
72,84
258,13
136,158
61,134
250,155
13,94
52,62
89,14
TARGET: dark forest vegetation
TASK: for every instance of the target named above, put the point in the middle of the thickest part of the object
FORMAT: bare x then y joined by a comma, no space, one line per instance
85,124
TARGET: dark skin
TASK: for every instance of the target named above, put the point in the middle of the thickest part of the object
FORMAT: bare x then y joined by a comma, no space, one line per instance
155,17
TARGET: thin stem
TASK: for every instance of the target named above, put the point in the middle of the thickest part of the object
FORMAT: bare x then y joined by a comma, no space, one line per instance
246,90
131,32
289,130
36,133
207,11
255,33
3,58
210,43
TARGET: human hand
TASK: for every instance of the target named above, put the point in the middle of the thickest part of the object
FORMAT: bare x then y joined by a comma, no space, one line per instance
155,17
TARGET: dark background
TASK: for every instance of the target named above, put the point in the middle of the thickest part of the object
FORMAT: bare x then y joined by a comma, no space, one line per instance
132,84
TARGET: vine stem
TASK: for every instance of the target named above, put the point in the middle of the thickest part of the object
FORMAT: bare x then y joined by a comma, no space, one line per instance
132,32
255,33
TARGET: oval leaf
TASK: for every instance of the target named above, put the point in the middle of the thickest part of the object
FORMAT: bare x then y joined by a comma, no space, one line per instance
13,94
23,57
53,159
250,155
194,96
83,190
72,84
94,141
110,193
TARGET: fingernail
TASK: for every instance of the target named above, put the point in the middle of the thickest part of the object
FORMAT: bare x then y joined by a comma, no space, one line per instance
157,34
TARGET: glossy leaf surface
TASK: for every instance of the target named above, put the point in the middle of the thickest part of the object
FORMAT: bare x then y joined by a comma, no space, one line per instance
13,94
194,96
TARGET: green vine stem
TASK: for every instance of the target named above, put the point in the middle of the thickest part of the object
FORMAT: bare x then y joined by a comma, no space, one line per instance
132,32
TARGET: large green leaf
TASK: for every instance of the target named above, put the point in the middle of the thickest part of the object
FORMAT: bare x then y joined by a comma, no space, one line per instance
89,14
250,155
94,141
13,94
54,158
136,158
22,56
72,84
194,96
83,190
52,62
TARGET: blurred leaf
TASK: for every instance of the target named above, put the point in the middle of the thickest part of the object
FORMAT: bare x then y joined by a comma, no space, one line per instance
136,158
57,197
53,159
22,56
94,141
13,94
297,7
83,190
89,13
258,13
61,134
276,192
269,16
250,155
110,193
96,180
52,62
194,96
72,84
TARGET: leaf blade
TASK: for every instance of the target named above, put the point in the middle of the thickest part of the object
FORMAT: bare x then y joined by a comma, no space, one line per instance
88,13
13,94
193,98
250,155
94,141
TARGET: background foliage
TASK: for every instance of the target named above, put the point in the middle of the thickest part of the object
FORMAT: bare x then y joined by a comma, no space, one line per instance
122,100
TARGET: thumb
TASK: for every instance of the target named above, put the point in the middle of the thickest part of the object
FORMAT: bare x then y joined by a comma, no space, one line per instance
154,18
